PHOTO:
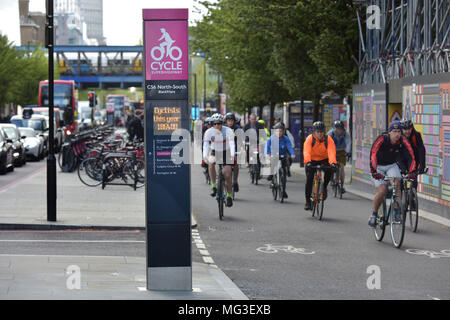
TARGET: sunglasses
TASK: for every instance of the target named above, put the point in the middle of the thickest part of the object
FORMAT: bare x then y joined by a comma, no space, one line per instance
216,123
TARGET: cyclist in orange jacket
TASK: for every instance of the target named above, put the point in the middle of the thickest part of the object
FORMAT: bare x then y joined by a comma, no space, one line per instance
318,149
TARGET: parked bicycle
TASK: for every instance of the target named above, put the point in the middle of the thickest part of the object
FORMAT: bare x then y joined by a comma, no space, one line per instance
386,216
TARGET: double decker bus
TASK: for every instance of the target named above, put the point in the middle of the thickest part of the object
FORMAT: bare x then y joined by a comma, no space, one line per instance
121,104
64,100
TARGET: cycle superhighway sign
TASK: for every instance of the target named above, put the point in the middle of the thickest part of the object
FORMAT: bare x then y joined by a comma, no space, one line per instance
167,195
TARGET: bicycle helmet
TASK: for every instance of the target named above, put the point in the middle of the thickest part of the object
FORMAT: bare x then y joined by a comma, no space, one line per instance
217,117
279,125
208,120
319,126
230,115
406,124
338,124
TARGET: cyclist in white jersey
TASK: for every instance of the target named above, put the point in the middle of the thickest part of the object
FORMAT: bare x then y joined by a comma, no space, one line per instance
220,140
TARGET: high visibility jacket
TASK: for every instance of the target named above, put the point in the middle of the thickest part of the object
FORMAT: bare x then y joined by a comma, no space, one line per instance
319,151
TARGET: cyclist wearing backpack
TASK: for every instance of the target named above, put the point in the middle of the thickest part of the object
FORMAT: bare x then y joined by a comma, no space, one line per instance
318,149
343,143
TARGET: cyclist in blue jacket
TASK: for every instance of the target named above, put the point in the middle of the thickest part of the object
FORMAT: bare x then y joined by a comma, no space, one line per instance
284,145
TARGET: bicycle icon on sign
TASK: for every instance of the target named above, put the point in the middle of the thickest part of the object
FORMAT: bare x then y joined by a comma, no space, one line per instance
269,248
165,48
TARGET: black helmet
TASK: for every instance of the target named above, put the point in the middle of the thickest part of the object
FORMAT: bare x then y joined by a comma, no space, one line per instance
279,125
230,115
319,126
338,124
406,124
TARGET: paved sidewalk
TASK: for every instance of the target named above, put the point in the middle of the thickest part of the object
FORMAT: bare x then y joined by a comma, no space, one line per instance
27,277
349,188
24,206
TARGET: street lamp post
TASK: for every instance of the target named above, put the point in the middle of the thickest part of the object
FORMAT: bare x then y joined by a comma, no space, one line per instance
51,160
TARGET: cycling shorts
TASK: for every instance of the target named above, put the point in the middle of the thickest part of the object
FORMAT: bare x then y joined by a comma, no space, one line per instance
341,157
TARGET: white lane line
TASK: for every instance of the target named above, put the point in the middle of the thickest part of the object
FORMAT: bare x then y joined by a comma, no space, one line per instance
204,252
200,245
77,241
208,260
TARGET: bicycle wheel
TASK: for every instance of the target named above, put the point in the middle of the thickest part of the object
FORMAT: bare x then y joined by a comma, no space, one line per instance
60,156
397,227
220,199
135,169
380,222
315,201
413,209
90,172
321,202
335,185
282,185
341,186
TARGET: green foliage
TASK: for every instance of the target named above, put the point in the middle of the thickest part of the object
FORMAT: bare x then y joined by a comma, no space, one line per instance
271,51
9,64
20,73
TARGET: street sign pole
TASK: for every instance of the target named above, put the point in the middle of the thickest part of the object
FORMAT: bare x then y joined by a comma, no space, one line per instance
51,160
168,182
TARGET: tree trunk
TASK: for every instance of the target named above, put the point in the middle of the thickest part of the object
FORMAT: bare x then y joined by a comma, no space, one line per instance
272,112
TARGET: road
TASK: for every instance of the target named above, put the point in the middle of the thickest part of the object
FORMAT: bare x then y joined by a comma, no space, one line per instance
20,173
344,255
337,258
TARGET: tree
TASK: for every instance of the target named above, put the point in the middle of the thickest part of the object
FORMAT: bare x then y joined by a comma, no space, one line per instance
9,67
33,69
240,52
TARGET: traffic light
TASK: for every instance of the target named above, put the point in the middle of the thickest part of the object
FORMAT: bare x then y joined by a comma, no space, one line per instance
92,99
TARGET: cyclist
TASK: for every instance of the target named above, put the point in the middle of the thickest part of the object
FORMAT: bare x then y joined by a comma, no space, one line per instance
221,141
230,122
318,149
253,124
206,125
415,139
265,128
284,146
386,153
343,143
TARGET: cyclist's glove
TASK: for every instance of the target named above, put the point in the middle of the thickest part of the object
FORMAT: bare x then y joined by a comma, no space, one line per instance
334,167
349,156
308,166
377,176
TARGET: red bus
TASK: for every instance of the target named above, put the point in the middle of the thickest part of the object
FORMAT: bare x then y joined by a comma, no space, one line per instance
121,105
64,99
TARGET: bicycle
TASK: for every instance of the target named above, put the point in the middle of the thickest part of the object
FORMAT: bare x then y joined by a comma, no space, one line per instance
411,202
278,185
337,184
255,166
386,217
220,195
317,197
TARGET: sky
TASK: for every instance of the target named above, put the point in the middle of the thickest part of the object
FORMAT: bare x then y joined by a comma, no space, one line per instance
122,19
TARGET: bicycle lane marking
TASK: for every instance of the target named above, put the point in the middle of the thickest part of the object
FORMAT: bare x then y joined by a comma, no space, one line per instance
430,253
269,248
202,249
22,179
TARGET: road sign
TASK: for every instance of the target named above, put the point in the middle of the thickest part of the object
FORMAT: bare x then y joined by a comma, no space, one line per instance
167,194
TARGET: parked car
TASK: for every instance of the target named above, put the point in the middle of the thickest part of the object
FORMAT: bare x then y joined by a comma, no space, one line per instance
12,132
34,145
59,123
6,154
37,122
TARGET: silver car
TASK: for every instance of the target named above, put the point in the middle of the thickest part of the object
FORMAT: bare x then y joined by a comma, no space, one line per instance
34,144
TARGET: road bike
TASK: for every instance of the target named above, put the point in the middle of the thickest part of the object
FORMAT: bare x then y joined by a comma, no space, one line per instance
220,195
411,202
337,184
386,216
278,185
255,166
317,197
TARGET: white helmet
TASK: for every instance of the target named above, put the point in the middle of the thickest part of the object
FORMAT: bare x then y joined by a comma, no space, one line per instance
217,117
